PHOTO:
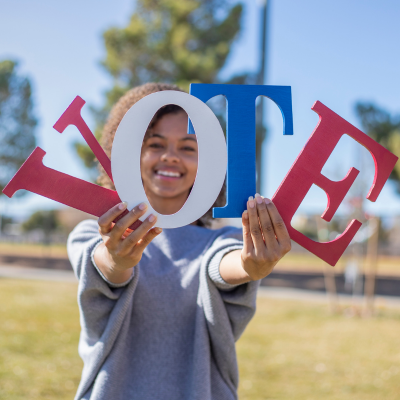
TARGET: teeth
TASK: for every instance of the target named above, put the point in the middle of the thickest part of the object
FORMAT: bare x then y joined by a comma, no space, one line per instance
169,173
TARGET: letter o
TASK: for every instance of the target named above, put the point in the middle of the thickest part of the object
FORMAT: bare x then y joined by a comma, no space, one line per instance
211,169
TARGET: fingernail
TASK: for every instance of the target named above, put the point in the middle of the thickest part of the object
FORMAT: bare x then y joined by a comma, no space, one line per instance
259,199
246,215
123,205
267,201
251,202
142,206
151,218
157,230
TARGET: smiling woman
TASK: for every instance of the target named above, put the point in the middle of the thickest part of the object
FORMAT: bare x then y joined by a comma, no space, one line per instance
169,160
172,121
161,309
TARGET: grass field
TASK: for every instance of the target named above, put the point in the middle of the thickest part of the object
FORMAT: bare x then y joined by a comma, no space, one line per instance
295,350
309,262
292,261
33,250
291,350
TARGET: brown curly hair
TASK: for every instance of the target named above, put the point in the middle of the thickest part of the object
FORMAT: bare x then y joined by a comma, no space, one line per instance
114,119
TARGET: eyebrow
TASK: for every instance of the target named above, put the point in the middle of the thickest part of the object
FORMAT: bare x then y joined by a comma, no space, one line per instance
190,137
151,135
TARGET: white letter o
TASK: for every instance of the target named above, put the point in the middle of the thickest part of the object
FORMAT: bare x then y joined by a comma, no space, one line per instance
211,169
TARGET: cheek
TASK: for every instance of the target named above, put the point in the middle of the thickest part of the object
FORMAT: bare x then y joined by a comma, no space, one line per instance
147,161
191,166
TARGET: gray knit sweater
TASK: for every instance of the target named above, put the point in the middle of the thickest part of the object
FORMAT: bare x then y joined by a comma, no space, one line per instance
169,332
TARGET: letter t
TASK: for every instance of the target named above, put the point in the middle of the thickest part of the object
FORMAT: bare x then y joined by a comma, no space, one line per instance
241,136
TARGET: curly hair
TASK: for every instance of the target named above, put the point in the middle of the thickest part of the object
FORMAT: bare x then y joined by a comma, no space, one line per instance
114,119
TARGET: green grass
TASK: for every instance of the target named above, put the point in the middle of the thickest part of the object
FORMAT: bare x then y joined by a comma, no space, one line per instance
295,350
291,350
39,334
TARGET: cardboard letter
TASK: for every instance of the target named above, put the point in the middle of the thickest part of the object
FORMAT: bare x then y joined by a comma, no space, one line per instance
72,116
63,188
241,136
211,168
306,171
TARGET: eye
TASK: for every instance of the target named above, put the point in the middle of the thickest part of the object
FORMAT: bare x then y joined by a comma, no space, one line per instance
156,145
188,148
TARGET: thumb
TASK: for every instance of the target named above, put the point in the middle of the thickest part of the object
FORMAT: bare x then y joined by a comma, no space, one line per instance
247,240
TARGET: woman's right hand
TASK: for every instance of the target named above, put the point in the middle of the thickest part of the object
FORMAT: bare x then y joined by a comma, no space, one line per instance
122,248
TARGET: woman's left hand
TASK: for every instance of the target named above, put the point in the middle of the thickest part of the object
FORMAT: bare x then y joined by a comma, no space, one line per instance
265,238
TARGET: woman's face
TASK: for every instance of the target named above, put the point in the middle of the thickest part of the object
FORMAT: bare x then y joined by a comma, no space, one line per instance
169,160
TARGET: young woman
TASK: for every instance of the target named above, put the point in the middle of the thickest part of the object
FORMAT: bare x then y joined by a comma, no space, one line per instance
161,310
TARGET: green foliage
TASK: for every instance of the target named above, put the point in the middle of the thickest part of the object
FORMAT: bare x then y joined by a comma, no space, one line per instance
86,155
384,128
173,41
47,221
4,221
17,120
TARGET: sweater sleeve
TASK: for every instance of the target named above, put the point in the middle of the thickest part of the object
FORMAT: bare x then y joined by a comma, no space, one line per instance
213,267
227,308
103,307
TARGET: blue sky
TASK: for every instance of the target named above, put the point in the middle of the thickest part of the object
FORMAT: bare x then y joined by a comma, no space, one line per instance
336,52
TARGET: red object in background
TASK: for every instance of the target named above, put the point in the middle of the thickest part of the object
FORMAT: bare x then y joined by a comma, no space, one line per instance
306,171
85,196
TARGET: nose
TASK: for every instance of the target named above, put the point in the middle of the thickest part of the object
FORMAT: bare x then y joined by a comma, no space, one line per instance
170,155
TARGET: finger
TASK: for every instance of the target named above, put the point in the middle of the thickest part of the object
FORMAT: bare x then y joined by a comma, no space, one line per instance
125,222
145,241
255,230
138,234
267,227
106,220
247,240
280,229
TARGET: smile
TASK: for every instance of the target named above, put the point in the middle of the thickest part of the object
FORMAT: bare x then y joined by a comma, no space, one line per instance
172,174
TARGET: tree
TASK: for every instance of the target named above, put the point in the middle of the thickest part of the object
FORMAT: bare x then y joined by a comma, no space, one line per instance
174,41
46,221
17,120
4,221
384,128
